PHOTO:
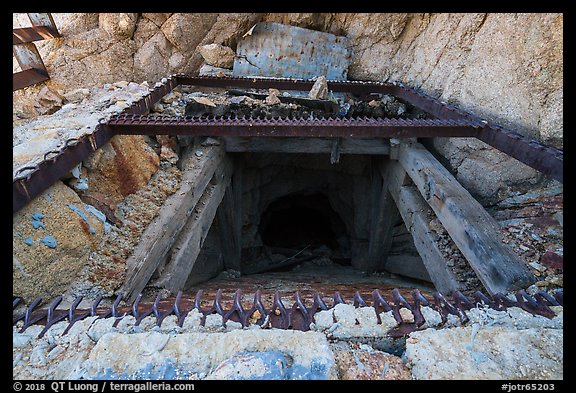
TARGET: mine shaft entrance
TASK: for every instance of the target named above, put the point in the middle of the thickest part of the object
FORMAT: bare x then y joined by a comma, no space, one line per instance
304,220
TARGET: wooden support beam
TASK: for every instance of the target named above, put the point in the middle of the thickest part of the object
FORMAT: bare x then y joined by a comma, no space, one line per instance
191,238
229,216
162,232
417,216
473,230
383,220
236,144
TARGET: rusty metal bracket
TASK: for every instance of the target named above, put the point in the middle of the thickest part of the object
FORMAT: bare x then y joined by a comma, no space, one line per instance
32,67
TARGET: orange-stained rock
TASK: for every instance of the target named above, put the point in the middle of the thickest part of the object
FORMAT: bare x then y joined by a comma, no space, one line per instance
121,167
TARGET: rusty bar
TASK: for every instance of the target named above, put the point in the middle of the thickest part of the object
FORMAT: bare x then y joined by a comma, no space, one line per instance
49,171
285,127
29,77
31,34
546,159
298,317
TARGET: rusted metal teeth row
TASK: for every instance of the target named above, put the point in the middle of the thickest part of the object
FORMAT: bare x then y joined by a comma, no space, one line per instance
286,127
127,119
298,316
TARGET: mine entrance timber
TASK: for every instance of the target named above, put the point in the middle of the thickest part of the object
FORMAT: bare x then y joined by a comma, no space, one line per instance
244,150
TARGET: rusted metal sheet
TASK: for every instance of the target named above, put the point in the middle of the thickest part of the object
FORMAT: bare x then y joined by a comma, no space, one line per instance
277,50
297,314
27,78
284,127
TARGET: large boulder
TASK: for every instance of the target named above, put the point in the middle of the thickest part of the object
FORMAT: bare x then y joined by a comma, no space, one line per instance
121,167
52,238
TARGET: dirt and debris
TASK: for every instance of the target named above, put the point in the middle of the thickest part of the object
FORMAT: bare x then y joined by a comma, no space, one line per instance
274,103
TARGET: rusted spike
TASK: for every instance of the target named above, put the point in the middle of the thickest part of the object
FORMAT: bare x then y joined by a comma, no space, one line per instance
461,301
417,296
251,317
480,298
337,299
299,315
380,305
135,312
28,320
530,304
15,302
217,306
115,312
318,304
443,306
94,306
545,297
502,302
279,317
399,302
198,301
419,300
237,311
72,317
358,301
51,317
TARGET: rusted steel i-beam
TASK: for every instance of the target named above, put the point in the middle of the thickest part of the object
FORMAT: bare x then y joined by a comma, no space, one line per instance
285,127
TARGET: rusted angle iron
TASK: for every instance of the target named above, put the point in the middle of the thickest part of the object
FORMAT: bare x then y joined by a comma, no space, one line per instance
286,127
34,33
298,316
546,159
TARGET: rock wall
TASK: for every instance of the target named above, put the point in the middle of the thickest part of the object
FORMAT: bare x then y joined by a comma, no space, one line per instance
507,68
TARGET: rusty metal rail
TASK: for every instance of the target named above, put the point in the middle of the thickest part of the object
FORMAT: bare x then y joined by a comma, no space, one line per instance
298,316
449,122
285,127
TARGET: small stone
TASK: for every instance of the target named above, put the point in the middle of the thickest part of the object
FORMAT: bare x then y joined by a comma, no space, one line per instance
374,103
319,90
208,70
542,284
537,266
406,315
272,98
217,55
556,280
553,260
198,153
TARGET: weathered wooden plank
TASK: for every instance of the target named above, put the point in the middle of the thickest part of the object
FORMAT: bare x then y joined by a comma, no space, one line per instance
229,223
383,220
417,215
161,233
192,236
473,230
306,145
